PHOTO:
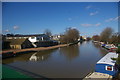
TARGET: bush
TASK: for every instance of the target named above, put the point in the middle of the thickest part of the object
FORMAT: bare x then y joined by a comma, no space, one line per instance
114,58
118,50
118,60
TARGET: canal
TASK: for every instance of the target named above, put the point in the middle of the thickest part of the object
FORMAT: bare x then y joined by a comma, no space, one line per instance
74,61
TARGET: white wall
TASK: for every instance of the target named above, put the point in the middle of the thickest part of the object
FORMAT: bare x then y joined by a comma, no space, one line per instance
31,39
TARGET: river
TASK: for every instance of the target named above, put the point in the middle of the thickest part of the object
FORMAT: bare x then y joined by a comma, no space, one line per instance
74,61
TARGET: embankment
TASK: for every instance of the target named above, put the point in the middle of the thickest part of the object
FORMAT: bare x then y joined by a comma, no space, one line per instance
9,53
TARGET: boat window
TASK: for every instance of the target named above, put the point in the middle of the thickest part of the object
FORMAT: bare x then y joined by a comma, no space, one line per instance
109,68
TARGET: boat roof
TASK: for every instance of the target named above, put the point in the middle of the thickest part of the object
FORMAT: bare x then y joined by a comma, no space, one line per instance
107,59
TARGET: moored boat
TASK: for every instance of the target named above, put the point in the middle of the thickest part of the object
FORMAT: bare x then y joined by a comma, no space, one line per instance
107,64
105,68
110,47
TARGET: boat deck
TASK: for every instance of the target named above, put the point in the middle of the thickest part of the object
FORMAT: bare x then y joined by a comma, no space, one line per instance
98,76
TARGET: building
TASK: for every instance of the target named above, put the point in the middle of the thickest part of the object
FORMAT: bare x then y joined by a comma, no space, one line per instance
36,40
33,36
39,40
5,45
46,43
20,43
84,37
106,65
56,37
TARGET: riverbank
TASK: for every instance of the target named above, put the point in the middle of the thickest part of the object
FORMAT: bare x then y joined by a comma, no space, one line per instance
10,53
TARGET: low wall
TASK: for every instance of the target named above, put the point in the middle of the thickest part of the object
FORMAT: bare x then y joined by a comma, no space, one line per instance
11,53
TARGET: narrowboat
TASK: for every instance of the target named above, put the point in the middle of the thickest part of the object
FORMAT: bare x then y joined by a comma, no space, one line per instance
106,65
110,46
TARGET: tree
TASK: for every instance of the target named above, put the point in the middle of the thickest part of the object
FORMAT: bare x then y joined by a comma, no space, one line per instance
88,38
106,34
115,39
96,38
48,32
71,35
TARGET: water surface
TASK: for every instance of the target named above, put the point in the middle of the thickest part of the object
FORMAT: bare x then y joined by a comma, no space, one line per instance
74,61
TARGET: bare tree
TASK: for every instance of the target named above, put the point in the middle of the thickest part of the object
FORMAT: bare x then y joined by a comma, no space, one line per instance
96,38
71,35
106,34
48,32
115,39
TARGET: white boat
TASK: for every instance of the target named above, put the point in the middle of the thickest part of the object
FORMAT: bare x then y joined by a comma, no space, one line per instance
110,46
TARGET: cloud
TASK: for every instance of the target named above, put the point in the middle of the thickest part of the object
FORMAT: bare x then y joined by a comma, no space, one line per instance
7,30
98,24
108,20
88,25
117,18
74,27
93,13
88,7
112,19
15,27
69,19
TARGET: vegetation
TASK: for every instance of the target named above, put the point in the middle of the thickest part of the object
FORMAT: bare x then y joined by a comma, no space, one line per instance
70,36
48,32
115,39
114,58
118,60
106,34
118,50
96,38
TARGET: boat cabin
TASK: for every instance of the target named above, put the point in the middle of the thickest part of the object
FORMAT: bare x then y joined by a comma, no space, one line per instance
107,64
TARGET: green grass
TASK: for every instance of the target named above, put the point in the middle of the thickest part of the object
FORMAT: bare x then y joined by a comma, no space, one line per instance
8,72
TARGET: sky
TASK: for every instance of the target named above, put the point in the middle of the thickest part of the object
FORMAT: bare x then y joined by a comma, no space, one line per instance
90,18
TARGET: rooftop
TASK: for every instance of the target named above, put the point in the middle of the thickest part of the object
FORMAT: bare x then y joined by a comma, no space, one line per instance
107,59
20,35
16,41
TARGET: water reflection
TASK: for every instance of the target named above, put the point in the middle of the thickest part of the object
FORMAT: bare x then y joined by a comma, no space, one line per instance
102,50
80,43
96,45
37,56
41,56
70,52
34,57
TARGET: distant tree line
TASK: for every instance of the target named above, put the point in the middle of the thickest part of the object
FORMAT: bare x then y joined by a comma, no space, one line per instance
108,36
48,32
